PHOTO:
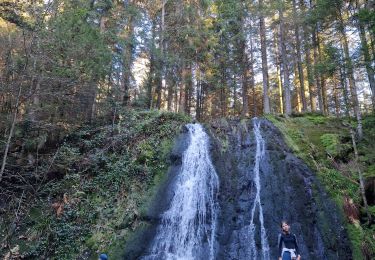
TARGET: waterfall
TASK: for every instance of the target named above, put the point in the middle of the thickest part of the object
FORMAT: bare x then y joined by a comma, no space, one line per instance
187,228
260,149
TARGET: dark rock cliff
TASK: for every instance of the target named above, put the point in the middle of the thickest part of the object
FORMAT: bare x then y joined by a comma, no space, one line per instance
289,190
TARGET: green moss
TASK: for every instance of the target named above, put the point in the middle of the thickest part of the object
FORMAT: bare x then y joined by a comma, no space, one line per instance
337,184
312,137
334,146
110,177
317,119
356,234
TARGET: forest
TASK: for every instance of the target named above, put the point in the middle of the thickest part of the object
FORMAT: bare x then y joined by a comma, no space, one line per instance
84,81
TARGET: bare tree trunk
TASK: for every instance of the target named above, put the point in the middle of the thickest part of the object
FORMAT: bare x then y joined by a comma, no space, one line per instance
345,90
367,57
127,62
159,87
310,80
223,91
296,83
316,73
171,84
336,97
183,87
245,72
199,94
14,119
263,46
323,91
350,74
234,84
372,44
299,61
150,80
277,48
324,95
245,86
175,98
252,76
186,88
361,181
287,93
307,46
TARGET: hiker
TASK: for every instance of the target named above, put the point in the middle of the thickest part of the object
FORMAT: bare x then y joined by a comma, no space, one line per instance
103,257
287,243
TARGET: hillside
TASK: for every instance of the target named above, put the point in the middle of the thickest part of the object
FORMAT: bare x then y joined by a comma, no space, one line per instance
93,188
99,182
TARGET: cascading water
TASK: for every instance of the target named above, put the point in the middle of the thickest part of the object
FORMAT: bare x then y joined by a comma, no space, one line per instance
260,149
259,187
187,229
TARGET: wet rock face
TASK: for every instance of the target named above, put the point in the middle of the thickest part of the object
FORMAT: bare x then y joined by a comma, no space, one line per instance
289,190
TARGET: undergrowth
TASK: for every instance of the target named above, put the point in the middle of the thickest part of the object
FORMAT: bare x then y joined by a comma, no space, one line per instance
107,175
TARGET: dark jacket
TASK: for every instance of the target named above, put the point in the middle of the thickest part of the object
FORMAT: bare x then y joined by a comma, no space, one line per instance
287,241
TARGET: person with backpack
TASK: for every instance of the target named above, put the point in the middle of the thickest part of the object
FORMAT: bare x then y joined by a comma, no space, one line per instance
287,243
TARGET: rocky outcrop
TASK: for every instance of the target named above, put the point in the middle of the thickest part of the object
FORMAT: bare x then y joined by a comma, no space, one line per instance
289,190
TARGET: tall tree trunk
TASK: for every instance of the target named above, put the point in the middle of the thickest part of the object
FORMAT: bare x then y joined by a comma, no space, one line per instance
170,83
234,84
183,87
361,180
307,47
245,85
350,74
316,73
252,76
187,88
127,61
323,91
263,47
176,96
299,61
11,131
366,56
151,74
336,97
245,71
372,44
296,83
277,50
159,88
287,92
199,94
324,95
223,81
344,89
310,80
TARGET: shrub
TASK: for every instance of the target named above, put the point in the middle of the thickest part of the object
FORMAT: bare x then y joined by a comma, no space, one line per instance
334,147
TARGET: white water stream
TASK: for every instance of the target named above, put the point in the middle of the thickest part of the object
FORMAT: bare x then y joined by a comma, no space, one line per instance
260,149
187,229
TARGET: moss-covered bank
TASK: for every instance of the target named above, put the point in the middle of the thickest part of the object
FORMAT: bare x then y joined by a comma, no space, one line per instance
324,143
109,175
